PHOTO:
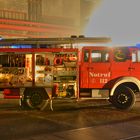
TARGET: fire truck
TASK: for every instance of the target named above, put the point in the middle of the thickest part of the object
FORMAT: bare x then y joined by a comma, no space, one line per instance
38,71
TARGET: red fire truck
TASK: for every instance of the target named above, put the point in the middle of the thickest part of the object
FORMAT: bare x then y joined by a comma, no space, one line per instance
40,70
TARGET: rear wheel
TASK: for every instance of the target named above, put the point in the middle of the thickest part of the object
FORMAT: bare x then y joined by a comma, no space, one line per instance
123,98
35,98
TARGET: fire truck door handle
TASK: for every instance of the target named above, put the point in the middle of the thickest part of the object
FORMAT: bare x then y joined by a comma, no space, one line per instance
89,68
130,68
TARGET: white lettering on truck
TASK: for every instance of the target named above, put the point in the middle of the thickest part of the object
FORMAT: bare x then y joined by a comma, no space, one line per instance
103,77
93,74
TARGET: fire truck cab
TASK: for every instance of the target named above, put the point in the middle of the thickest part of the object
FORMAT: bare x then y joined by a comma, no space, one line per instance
112,73
38,71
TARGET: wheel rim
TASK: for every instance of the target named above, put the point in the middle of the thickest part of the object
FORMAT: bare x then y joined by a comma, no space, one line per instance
123,98
36,99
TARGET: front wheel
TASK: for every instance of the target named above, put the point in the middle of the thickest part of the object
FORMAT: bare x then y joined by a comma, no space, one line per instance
123,98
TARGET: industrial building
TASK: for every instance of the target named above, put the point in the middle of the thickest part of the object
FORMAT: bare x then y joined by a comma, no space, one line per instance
44,18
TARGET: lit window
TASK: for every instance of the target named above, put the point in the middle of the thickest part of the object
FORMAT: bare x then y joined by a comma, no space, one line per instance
136,56
99,56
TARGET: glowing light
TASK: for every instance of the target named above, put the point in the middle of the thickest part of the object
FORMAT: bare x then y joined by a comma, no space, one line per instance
118,19
21,46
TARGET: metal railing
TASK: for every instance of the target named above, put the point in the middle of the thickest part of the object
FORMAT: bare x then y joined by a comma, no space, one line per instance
9,14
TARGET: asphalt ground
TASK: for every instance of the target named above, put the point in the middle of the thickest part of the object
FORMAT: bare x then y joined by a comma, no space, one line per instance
90,121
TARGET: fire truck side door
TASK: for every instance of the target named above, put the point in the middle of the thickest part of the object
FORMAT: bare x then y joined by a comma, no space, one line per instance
120,65
84,78
99,68
135,62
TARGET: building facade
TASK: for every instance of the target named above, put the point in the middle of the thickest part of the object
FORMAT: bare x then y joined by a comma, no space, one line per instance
57,17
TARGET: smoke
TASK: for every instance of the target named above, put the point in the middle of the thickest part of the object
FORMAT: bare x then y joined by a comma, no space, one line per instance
118,19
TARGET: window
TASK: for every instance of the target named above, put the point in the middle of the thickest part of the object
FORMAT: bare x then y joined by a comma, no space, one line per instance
136,56
121,54
99,56
86,55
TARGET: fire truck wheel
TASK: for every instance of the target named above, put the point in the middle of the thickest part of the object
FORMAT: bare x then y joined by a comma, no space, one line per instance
36,98
123,98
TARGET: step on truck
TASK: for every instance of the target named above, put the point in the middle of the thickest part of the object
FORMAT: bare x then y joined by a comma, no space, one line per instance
38,71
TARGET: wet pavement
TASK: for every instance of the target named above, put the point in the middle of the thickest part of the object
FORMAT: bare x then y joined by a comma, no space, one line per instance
69,122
